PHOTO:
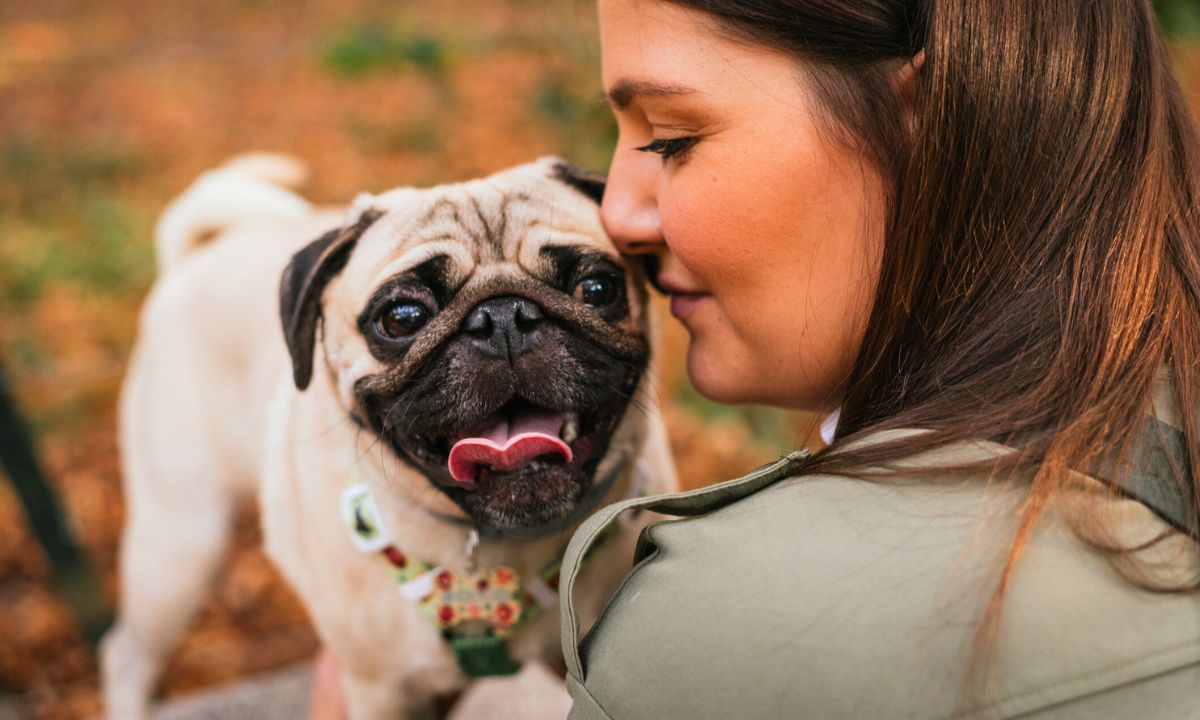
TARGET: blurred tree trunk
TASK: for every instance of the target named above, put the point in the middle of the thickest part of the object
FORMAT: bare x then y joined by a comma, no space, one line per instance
75,578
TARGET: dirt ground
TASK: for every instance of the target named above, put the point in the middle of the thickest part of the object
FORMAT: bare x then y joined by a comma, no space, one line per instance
108,109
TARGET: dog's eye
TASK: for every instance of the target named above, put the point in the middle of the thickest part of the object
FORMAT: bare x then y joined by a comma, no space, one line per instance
402,319
597,291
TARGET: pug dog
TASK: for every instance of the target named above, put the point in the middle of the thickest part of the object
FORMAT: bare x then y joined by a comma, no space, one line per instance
463,374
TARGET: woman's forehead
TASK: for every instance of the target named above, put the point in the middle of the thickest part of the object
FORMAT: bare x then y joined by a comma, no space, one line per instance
653,49
643,38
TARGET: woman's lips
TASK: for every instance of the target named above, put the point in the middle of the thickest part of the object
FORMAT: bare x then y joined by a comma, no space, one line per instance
684,297
684,304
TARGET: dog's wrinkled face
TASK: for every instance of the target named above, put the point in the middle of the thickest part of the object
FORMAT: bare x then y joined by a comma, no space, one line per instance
488,332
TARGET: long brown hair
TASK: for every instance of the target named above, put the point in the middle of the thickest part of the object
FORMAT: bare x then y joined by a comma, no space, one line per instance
1042,260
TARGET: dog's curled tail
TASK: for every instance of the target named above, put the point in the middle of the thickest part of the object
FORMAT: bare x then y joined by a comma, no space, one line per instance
249,186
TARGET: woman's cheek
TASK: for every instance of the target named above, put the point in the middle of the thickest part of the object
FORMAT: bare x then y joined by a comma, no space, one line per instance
679,219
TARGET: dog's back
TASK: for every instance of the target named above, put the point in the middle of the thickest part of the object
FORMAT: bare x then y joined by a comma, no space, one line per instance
242,191
193,407
209,348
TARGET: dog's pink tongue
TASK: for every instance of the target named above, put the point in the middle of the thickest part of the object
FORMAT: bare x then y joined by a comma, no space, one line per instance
509,444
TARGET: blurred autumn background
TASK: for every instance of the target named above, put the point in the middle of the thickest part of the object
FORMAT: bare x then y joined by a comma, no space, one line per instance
110,108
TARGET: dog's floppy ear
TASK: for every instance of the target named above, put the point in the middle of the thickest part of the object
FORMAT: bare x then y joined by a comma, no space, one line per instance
585,181
304,279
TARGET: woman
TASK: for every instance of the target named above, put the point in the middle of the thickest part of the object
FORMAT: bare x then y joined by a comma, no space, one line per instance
969,231
973,227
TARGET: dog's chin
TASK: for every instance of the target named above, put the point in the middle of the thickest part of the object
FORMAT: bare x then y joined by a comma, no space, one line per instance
540,492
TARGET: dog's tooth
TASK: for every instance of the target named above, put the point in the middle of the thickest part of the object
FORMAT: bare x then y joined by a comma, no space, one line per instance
570,429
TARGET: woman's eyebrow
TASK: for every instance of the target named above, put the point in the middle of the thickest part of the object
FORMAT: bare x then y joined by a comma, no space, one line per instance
623,91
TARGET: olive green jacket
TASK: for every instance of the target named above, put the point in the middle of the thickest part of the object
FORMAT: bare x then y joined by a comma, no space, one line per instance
826,597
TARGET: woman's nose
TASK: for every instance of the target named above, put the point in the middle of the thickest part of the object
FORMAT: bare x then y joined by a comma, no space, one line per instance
630,207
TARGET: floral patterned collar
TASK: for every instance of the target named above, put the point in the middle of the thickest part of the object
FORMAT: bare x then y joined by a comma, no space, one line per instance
478,610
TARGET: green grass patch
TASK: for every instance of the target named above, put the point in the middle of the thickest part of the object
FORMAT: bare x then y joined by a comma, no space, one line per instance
21,352
370,48
63,220
585,132
1180,18
70,414
91,168
104,250
39,180
771,427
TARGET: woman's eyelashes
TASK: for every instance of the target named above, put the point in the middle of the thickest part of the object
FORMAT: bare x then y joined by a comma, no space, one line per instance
670,147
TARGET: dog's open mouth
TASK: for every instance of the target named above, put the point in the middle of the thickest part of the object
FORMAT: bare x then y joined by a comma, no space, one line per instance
510,440
521,466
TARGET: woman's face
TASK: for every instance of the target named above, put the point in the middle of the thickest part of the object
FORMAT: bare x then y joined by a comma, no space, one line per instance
768,234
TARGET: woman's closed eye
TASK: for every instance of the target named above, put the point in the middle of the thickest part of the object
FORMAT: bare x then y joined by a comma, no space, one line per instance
670,147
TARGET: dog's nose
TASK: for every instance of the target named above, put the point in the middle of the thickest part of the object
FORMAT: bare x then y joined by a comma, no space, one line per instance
504,326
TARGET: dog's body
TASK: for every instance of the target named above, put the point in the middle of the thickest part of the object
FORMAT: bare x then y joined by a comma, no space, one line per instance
216,408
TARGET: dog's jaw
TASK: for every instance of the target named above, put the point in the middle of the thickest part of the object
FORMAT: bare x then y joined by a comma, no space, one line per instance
541,492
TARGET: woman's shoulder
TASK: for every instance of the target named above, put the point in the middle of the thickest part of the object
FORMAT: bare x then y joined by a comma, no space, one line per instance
823,596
